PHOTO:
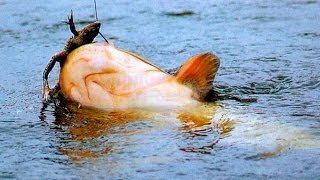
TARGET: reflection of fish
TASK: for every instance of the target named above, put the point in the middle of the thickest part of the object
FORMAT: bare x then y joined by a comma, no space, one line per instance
94,133
101,76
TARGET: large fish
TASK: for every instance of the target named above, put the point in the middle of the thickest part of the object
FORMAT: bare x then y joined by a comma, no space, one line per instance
101,76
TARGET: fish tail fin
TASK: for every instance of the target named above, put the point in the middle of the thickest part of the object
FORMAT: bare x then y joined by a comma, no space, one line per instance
198,73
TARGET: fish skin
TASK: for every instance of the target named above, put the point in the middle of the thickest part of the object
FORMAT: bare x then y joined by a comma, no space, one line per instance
101,76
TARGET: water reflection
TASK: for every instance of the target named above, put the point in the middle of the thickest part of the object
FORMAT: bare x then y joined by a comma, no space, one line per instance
92,133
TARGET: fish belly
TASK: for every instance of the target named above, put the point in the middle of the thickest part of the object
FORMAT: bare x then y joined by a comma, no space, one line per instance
106,78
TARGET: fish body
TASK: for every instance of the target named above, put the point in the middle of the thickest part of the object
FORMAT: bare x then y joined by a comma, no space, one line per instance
101,76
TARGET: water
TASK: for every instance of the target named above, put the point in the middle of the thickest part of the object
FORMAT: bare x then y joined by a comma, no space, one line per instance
269,50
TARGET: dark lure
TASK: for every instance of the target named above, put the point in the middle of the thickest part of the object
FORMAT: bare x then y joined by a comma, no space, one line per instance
79,38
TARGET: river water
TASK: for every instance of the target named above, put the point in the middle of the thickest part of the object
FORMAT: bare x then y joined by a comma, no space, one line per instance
269,50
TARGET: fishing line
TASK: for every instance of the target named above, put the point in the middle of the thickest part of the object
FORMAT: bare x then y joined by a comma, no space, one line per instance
95,8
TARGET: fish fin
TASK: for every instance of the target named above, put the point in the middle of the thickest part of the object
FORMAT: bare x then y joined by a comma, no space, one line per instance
142,59
198,73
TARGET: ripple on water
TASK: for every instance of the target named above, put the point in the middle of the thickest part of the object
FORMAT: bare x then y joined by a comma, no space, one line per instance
179,13
275,85
310,34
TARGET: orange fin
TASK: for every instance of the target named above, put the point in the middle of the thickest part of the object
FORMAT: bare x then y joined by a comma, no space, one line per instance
198,73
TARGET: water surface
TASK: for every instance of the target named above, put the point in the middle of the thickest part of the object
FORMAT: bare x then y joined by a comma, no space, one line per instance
269,50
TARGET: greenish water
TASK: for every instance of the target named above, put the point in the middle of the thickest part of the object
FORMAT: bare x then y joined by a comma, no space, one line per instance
269,50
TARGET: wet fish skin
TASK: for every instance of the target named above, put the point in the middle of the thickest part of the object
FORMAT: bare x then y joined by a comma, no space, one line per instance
101,76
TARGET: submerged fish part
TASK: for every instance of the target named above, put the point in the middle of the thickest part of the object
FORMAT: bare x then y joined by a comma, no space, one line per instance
101,76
